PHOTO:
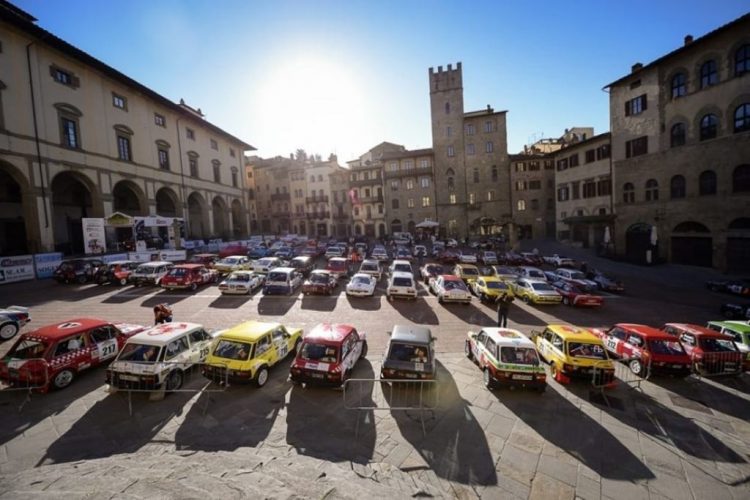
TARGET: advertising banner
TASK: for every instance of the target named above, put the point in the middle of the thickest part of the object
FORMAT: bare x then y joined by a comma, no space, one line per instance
173,255
46,263
115,256
17,268
94,239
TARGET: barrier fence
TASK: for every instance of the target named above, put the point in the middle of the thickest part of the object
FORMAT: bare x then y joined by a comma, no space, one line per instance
717,364
157,379
630,372
420,396
26,375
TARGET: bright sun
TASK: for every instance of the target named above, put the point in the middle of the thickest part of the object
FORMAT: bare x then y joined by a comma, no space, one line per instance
311,103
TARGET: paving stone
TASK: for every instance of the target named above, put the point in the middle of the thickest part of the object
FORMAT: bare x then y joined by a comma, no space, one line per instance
559,470
586,487
544,487
526,439
623,490
500,426
517,464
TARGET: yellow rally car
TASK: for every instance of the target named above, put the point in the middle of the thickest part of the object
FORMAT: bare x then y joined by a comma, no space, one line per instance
467,272
489,288
574,352
245,352
233,263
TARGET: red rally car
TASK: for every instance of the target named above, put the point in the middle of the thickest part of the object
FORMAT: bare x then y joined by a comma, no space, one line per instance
188,276
52,356
328,355
713,353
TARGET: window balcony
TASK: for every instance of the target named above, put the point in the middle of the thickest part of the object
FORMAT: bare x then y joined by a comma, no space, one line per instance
280,197
366,182
316,199
319,215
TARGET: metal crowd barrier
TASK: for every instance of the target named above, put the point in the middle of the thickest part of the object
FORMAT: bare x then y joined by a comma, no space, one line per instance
26,375
630,372
718,364
420,396
195,378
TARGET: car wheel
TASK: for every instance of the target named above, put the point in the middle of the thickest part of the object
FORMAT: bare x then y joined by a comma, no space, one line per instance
636,367
467,350
8,331
440,299
566,301
193,287
262,376
364,350
487,379
63,379
123,281
525,298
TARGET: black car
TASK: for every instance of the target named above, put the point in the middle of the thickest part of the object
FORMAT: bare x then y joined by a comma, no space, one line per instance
77,270
735,311
304,264
736,287
410,354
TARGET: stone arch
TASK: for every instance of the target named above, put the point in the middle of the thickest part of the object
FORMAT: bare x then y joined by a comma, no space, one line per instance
396,226
221,221
238,219
168,203
741,223
381,230
17,213
638,242
690,227
129,198
74,196
197,223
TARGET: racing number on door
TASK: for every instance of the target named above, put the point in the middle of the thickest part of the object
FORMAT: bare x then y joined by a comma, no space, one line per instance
282,349
612,344
203,353
107,349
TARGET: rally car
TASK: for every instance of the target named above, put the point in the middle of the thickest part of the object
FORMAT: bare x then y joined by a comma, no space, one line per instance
12,319
241,282
574,353
361,285
506,357
712,353
328,354
188,276
320,281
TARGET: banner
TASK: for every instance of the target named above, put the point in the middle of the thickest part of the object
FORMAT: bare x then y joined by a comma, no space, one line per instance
94,240
17,268
173,255
114,257
46,263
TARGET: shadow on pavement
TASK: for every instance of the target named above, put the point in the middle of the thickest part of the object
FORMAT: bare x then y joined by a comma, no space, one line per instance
127,294
741,383
564,425
418,311
230,301
523,317
702,393
275,305
318,425
319,302
471,314
455,447
165,297
241,416
364,303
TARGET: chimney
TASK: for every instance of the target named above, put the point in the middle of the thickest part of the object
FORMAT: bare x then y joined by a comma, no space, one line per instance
636,67
688,39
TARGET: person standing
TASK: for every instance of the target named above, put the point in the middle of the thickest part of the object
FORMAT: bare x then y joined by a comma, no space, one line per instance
503,305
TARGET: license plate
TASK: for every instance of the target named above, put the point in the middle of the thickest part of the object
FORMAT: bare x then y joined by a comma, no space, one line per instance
676,366
419,367
411,375
129,378
522,377
316,375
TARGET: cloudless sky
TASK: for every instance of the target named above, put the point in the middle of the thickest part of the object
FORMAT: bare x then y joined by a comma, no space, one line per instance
342,76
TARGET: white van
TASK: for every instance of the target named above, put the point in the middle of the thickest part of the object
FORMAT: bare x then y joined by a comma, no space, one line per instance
401,284
282,281
159,358
150,273
400,265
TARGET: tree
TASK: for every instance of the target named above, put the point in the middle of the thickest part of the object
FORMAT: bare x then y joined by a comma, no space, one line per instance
301,155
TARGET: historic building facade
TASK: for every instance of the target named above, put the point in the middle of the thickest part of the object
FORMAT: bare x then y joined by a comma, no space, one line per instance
366,191
80,139
409,189
471,163
681,153
532,181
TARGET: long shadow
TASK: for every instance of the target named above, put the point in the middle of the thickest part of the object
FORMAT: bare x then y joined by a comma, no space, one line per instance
471,314
455,446
706,395
418,311
230,301
127,294
318,425
561,423
275,305
165,296
741,383
241,416
41,406
649,416
364,303
521,316
319,302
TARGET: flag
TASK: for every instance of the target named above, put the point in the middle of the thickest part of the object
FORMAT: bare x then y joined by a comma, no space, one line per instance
353,198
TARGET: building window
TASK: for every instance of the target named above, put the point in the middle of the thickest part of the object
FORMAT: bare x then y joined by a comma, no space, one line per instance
576,191
590,155
652,190
193,163
424,163
562,164
469,149
234,177
476,176
521,167
742,60
367,192
636,147
380,209
676,187
549,165
160,120
708,127
520,185
489,147
320,178
408,164
677,135
628,193
356,211
604,187
573,160
312,177
472,199
707,183
603,151
217,171
119,101
162,151
190,134
410,203
521,205
470,130
535,204
448,131
491,195
425,201
394,204
409,184
452,227
742,118
214,145
494,173
124,150
679,85
447,108
394,185
709,76
488,127
636,106
535,185
452,199
451,184
233,154
563,194
424,182
589,189
450,151
64,77
741,179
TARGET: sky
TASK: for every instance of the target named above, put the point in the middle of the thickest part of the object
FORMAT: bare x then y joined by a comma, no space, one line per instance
343,76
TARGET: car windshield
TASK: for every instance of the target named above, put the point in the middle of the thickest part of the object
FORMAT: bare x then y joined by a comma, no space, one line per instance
267,262
668,347
519,356
408,352
577,275
28,349
367,266
712,344
277,276
337,265
231,349
535,273
402,267
319,352
139,353
145,270
361,280
454,285
470,271
402,282
239,277
542,287
586,350
230,261
177,271
489,254
504,271
496,285
319,278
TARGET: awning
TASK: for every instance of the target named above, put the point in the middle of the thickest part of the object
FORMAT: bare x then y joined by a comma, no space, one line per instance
427,224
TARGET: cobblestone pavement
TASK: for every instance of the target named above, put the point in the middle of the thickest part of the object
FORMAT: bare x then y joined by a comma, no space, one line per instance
669,439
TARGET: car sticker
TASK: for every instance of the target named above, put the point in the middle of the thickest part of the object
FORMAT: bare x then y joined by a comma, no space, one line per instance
105,350
69,324
16,364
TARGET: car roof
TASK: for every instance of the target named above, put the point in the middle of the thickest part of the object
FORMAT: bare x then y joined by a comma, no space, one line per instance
463,264
508,336
371,261
249,331
302,257
569,332
161,334
156,263
205,255
283,270
645,330
241,271
739,326
450,277
337,259
363,275
188,266
491,279
321,271
327,332
696,329
533,280
411,333
235,257
401,261
56,331
402,274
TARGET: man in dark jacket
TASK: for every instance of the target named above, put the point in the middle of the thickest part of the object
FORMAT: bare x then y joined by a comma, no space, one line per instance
503,304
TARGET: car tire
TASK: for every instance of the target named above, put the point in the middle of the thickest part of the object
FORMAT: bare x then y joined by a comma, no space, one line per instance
467,350
364,350
636,366
193,287
440,299
8,331
63,379
174,381
525,298
566,301
262,376
487,379
123,281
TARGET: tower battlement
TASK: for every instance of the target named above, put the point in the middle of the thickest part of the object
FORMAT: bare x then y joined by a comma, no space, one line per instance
449,79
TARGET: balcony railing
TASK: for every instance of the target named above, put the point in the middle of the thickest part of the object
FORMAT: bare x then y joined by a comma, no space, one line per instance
316,199
280,197
372,199
319,215
412,172
281,214
366,182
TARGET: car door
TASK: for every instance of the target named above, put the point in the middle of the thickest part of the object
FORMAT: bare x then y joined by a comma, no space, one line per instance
265,352
613,340
689,342
280,338
178,352
199,345
633,347
72,352
103,344
478,345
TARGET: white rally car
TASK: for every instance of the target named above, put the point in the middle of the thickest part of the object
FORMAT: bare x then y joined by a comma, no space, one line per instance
361,285
241,282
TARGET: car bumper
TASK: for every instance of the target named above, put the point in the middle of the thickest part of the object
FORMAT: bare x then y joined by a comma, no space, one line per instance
360,293
317,378
220,375
448,298
514,380
402,295
276,290
133,382
177,286
235,291
546,300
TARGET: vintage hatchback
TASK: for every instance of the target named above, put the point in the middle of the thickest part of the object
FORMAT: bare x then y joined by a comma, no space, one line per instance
371,267
328,354
159,358
574,295
535,291
321,282
489,288
450,288
467,272
338,267
712,353
573,352
12,319
507,358
361,285
54,355
150,273
188,276
410,354
282,281
739,331
642,346
241,282
116,272
245,352
233,263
